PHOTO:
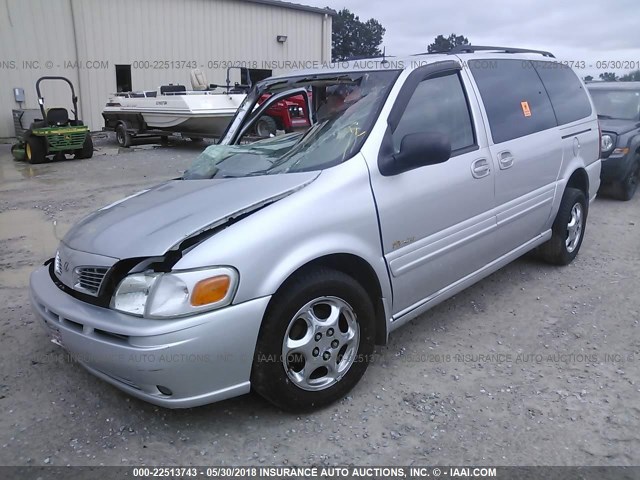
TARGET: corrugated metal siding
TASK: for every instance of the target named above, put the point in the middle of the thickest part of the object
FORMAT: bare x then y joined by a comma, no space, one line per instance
34,31
126,31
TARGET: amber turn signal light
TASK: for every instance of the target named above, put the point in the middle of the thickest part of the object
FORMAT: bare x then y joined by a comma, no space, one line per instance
210,290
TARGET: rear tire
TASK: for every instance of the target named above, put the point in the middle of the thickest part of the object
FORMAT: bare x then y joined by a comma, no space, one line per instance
35,150
87,149
627,188
122,136
335,341
568,229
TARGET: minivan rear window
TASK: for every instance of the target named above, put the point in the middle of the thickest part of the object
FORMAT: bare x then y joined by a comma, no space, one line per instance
514,97
568,97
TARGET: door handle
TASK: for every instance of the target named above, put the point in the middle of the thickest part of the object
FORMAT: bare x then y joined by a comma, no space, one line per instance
480,168
505,160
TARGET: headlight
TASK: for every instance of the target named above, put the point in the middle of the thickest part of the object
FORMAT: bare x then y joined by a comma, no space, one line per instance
607,143
175,294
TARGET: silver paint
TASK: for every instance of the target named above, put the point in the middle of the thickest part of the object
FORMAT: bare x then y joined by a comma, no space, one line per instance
426,234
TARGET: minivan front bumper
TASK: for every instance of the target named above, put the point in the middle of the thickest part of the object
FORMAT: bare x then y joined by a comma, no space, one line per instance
172,363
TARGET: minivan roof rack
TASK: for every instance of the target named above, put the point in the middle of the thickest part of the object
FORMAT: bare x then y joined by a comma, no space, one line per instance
477,48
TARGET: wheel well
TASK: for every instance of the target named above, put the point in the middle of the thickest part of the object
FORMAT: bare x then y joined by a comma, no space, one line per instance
360,270
580,180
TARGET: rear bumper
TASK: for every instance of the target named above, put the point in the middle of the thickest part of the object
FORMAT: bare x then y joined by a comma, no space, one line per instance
200,359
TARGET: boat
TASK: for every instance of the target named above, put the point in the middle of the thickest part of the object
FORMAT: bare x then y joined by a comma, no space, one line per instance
204,111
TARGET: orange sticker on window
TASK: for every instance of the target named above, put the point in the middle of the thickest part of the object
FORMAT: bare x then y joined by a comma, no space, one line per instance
525,109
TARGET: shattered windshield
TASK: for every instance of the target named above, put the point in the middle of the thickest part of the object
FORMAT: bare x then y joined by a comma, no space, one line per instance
344,109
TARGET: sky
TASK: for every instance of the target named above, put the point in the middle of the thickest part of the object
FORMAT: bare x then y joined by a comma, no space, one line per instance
595,32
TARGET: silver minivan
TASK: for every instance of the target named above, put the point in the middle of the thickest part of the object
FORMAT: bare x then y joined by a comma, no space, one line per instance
277,264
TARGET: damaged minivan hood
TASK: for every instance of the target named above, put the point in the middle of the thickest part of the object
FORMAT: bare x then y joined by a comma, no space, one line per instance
152,222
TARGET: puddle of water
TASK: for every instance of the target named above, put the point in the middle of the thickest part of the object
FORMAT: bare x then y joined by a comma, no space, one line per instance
27,238
12,170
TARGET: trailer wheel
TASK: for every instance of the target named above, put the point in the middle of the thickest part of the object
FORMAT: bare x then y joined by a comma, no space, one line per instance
35,150
122,136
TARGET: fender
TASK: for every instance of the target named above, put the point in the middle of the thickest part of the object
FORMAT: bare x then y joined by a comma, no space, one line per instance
272,243
634,148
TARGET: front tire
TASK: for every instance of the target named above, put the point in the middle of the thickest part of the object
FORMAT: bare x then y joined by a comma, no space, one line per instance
568,229
35,150
315,342
626,189
15,147
87,149
266,126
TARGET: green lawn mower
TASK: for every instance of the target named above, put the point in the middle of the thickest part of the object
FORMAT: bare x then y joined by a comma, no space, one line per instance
55,134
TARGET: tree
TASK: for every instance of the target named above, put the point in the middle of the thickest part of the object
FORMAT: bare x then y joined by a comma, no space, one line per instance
631,77
354,38
588,78
608,77
442,44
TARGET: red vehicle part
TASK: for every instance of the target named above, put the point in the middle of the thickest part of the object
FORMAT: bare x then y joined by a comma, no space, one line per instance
289,114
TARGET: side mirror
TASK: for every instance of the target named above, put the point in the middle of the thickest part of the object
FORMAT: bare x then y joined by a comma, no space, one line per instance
419,150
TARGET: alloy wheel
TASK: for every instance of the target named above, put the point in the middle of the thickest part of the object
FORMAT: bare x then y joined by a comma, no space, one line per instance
574,227
320,343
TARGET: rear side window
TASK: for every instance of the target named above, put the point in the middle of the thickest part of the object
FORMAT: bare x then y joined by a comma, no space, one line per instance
514,98
568,97
438,104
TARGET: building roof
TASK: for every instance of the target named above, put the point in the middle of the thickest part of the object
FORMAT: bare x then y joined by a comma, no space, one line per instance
295,6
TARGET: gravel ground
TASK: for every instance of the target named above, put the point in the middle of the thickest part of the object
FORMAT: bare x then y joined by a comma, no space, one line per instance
535,365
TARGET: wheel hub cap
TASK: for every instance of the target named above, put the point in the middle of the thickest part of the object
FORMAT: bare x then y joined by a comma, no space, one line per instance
574,228
321,343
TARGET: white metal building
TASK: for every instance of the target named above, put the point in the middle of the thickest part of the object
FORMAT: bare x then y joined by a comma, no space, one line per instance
103,46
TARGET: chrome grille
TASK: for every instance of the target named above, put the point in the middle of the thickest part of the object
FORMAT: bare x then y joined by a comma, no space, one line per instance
89,279
57,265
